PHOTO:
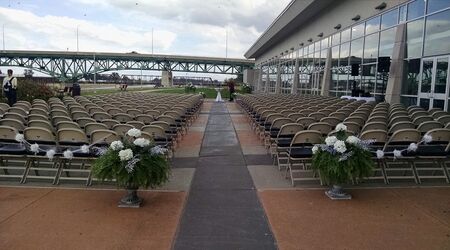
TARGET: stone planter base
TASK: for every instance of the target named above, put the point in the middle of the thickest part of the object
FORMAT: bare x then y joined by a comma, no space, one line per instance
337,193
130,200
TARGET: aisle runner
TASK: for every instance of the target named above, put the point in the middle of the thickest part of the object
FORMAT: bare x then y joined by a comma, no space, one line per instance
223,210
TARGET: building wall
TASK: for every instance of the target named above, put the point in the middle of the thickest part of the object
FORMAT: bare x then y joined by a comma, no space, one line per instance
339,12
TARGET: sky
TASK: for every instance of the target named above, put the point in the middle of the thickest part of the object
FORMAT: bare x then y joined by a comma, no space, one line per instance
180,27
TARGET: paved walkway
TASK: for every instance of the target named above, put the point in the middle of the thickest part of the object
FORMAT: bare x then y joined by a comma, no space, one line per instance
222,209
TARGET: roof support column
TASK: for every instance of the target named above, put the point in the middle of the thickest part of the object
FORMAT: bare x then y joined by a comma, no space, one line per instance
295,83
394,85
326,81
278,82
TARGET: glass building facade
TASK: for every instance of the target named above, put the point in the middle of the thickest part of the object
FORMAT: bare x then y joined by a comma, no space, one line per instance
425,80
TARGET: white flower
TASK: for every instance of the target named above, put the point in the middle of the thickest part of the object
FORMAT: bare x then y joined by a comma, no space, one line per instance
412,147
353,140
397,153
116,145
141,142
50,154
315,149
427,138
68,154
125,154
134,132
380,154
340,147
20,138
34,148
85,149
158,150
341,127
330,140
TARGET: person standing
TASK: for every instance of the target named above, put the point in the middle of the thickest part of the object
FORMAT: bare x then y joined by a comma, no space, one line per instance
10,87
231,89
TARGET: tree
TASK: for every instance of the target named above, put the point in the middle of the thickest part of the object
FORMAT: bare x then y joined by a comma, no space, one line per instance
28,73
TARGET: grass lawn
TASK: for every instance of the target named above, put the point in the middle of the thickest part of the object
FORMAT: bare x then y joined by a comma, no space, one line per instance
110,91
209,92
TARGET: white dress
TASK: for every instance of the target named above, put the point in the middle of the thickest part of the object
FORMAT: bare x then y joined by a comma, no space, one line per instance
219,97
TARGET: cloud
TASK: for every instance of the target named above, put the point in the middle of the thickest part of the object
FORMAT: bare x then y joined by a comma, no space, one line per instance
25,30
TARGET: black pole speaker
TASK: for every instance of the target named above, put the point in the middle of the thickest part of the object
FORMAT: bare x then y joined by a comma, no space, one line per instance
355,69
384,63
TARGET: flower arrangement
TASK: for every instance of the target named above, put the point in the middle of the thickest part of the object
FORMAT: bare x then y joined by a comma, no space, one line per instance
134,162
246,89
342,158
202,94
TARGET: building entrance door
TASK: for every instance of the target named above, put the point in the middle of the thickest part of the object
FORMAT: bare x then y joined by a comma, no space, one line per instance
433,83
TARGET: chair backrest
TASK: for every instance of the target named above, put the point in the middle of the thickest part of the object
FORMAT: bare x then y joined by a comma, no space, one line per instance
39,135
67,124
80,114
399,119
379,135
122,117
428,125
38,117
168,119
375,126
146,119
279,122
154,113
378,119
18,110
353,127
306,137
322,127
8,134
13,123
15,116
71,136
290,129
401,125
134,112
38,111
136,124
156,132
333,121
356,119
103,136
113,111
100,116
59,112
438,114
110,123
403,137
92,126
420,119
162,124
122,129
317,116
306,121
41,124
445,119
85,120
440,135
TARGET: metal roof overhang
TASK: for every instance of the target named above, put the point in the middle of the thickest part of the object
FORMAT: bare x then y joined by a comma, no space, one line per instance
296,14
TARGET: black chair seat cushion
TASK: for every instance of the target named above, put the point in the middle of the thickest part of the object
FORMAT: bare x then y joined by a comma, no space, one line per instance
284,142
432,150
13,149
301,153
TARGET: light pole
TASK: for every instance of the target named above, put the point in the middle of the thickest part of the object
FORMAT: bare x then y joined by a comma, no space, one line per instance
78,48
3,36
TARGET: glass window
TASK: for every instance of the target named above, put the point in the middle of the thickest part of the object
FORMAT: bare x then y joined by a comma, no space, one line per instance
356,51
440,84
416,9
402,15
437,34
345,36
369,77
411,79
373,25
311,48
389,19
317,46
414,33
344,54
336,39
436,5
324,43
427,75
371,48
387,39
300,53
408,101
335,56
358,31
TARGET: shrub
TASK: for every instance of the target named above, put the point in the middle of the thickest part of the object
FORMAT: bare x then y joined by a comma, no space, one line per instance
27,90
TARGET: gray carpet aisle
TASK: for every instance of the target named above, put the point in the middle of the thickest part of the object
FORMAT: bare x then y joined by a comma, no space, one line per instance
223,210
